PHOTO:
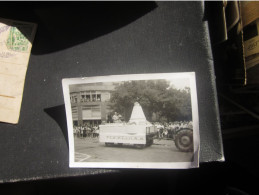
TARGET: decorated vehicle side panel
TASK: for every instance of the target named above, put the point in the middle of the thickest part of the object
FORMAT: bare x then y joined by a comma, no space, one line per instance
123,133
138,131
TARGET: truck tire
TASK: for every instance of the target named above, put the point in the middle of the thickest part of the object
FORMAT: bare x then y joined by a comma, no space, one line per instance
109,144
149,142
139,146
184,140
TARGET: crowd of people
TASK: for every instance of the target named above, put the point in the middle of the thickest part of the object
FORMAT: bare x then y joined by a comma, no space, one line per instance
166,130
85,98
92,131
83,131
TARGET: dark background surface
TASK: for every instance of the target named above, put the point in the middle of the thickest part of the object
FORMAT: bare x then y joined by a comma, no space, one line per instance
90,39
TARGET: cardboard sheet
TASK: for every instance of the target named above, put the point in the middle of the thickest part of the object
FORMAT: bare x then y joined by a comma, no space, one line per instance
249,11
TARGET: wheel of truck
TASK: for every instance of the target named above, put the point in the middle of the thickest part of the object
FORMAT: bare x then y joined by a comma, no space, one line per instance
149,142
139,146
108,144
184,140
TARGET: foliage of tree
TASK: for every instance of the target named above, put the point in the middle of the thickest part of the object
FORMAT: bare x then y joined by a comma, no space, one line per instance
160,101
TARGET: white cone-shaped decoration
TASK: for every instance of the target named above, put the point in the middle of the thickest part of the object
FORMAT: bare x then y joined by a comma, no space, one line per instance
137,115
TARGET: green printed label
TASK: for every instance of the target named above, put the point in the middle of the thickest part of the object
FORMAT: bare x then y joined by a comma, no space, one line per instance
17,41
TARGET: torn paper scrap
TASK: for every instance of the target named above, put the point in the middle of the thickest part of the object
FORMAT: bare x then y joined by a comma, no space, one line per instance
16,39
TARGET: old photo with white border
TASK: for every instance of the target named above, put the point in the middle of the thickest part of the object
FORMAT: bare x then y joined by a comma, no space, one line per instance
133,121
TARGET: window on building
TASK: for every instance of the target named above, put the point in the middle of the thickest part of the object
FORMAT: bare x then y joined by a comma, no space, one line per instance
82,98
93,97
73,98
91,112
98,97
90,96
96,112
74,112
86,112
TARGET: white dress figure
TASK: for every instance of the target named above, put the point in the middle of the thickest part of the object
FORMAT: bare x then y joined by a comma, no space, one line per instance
137,115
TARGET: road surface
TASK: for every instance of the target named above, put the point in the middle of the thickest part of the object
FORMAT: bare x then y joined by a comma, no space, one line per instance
90,150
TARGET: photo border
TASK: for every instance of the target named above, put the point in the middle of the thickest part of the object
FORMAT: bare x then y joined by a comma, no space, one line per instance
66,82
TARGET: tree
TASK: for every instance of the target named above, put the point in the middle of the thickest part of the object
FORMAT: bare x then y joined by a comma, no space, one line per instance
156,98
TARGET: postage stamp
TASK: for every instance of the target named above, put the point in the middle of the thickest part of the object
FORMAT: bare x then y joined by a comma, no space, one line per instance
17,39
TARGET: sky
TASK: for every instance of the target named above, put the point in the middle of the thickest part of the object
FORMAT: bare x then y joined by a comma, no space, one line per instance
180,83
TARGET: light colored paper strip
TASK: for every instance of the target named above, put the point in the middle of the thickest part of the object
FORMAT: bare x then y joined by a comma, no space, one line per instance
16,39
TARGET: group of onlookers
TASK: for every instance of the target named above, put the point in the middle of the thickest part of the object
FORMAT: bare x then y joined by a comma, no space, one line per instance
84,131
88,99
166,130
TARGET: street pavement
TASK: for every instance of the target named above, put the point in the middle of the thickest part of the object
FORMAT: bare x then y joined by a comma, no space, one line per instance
90,150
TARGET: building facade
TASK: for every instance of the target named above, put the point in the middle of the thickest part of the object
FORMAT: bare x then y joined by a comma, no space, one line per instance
90,103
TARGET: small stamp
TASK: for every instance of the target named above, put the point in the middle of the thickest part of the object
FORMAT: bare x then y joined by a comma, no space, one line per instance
17,41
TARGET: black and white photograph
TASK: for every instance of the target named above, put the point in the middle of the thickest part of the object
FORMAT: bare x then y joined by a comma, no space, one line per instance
133,121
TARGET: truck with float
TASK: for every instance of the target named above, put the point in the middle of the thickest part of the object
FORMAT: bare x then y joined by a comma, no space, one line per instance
137,132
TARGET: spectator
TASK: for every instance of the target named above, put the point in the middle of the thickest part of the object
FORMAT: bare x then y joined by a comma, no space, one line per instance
95,131
74,130
161,133
88,131
109,118
116,118
165,133
81,131
77,132
84,131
